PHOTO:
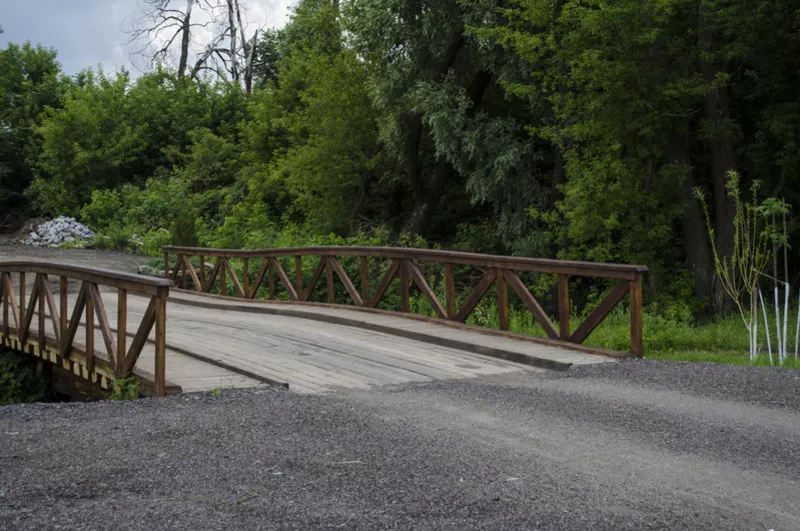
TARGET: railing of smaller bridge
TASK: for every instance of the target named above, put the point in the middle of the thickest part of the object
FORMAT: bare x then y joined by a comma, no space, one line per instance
187,266
54,336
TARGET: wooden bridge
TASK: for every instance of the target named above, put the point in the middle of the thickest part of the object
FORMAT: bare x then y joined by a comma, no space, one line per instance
237,319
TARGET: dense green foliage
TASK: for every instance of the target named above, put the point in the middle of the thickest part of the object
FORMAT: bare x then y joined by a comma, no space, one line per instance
19,382
553,128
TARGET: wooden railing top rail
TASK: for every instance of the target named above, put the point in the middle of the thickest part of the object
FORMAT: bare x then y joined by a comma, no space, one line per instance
539,265
147,285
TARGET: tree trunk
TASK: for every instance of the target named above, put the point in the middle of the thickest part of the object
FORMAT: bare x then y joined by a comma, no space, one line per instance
699,260
185,39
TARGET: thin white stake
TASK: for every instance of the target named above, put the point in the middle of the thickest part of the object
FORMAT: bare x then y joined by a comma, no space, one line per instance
786,322
766,325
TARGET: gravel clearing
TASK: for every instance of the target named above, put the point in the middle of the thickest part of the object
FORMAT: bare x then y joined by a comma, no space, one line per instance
598,448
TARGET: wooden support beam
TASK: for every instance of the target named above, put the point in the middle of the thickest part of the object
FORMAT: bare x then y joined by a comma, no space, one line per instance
237,286
298,275
161,341
424,287
259,278
89,329
563,307
246,277
74,322
600,313
331,290
275,265
55,319
364,279
105,327
122,330
139,340
483,286
384,284
450,290
315,278
502,300
198,286
530,301
345,280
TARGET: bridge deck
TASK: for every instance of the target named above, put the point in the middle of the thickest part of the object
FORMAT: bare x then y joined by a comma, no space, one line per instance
220,343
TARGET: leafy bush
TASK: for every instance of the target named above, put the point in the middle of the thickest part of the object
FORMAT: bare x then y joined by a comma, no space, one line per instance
19,382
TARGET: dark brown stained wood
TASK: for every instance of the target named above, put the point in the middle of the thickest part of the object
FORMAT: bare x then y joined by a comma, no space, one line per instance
404,287
424,287
298,275
139,340
533,305
74,322
24,330
259,278
502,299
55,319
143,284
246,277
63,299
212,277
4,292
202,272
122,330
274,264
480,290
161,338
42,336
271,280
637,342
563,307
542,265
315,278
330,287
364,279
89,349
10,303
223,281
236,284
166,264
102,320
348,284
450,290
600,313
178,266
22,290
384,285
188,267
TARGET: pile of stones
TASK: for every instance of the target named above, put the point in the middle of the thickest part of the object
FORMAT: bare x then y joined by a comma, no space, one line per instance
60,231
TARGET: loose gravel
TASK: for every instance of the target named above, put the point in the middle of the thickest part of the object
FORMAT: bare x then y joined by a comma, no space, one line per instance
611,447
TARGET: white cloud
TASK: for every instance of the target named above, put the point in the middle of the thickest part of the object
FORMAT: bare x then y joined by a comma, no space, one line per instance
88,33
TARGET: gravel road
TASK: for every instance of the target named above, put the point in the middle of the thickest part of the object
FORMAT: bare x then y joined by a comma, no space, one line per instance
635,445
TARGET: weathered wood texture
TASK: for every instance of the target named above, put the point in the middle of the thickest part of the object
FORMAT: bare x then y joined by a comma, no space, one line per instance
55,331
408,267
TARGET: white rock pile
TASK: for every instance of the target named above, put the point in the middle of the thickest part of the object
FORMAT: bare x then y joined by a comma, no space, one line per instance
57,232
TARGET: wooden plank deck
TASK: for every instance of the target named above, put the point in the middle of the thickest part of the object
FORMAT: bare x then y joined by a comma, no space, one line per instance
215,343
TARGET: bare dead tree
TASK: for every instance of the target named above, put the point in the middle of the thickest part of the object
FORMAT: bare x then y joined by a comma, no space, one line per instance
169,27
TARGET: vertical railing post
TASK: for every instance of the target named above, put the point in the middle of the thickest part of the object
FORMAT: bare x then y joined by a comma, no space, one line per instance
404,286
563,307
364,281
298,275
450,290
89,334
161,342
502,300
3,277
637,339
21,303
202,272
42,337
271,281
246,277
122,330
331,289
63,300
166,264
223,280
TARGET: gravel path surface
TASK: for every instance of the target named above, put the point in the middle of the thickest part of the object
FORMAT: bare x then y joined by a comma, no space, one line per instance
630,446
90,257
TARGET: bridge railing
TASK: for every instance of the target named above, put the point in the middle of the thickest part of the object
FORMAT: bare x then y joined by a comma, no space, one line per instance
500,272
56,327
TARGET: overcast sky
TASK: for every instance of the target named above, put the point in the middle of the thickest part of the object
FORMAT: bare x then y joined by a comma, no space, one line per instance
88,33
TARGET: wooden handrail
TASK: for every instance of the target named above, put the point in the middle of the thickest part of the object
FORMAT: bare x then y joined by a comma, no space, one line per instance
58,345
498,271
538,265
